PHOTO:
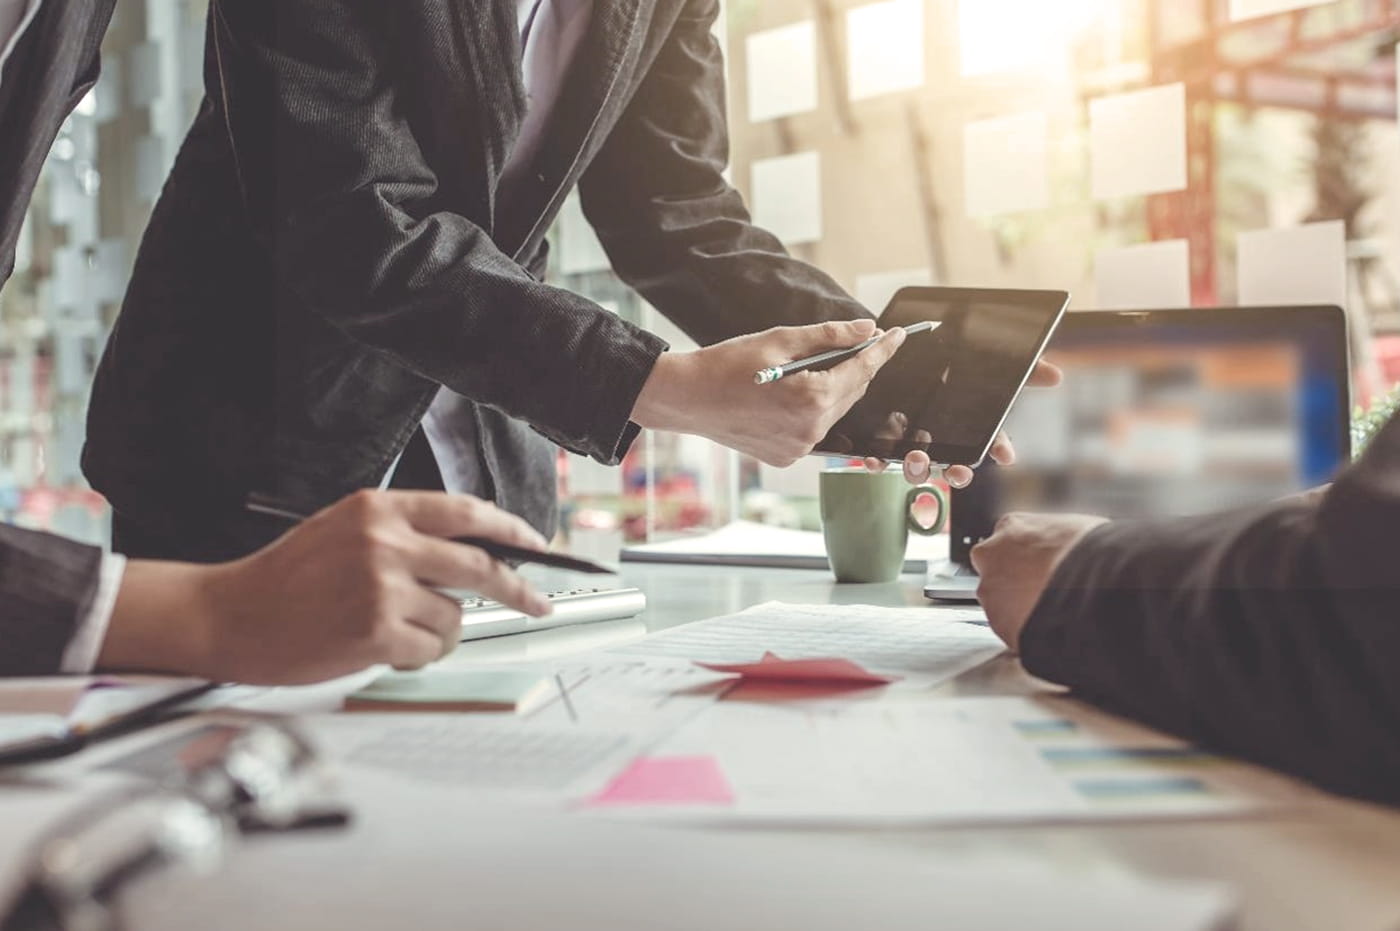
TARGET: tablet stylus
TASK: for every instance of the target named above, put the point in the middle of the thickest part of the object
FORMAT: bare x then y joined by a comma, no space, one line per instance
833,358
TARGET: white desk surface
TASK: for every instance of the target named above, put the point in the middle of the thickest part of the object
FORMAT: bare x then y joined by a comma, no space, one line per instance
1334,866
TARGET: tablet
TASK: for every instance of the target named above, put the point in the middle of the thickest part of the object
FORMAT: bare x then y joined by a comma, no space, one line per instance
948,391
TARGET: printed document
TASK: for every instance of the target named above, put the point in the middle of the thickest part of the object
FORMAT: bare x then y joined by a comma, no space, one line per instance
922,647
946,761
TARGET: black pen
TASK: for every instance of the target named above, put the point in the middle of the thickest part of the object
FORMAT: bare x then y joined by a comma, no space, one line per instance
835,357
259,504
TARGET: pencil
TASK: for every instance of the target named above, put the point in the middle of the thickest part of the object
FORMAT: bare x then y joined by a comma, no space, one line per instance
259,504
828,360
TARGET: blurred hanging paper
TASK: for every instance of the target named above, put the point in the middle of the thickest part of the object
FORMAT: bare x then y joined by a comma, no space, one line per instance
1007,165
1250,9
1138,142
1303,265
782,74
787,197
885,48
1148,276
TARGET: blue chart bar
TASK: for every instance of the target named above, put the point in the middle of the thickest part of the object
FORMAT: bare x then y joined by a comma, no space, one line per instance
1050,727
1064,757
1113,790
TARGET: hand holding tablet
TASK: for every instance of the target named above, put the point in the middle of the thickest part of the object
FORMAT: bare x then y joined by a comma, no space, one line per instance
829,360
947,394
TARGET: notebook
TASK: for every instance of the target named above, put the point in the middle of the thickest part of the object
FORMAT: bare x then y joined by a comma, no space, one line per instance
489,690
744,543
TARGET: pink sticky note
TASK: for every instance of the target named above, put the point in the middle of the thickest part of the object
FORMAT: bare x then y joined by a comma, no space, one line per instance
775,669
675,780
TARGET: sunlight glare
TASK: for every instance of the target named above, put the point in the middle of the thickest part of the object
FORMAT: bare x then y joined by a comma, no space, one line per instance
1022,35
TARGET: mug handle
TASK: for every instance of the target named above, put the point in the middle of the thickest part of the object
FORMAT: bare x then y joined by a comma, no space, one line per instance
914,495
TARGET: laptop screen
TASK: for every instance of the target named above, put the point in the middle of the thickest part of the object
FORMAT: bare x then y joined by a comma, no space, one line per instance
1174,413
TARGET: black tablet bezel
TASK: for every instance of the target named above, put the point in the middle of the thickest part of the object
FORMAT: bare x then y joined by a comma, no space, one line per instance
948,454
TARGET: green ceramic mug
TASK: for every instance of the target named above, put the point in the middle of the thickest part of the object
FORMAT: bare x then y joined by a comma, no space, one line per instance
867,518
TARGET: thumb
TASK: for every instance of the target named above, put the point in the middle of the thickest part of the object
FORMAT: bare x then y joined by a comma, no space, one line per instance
834,334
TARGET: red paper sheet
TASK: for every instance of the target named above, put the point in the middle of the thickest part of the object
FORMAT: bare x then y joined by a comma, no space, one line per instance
775,669
678,780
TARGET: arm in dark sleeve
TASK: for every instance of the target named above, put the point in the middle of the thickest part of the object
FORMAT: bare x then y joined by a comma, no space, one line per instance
672,226
1272,634
337,182
47,585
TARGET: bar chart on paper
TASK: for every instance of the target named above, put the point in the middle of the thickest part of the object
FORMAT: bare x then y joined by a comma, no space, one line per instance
950,761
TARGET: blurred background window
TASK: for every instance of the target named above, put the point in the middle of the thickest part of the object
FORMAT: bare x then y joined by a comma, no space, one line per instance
1140,153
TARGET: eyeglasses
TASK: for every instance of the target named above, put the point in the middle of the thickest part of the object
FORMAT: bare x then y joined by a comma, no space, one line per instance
223,780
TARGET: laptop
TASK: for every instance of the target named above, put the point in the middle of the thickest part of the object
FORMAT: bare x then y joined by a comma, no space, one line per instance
1167,413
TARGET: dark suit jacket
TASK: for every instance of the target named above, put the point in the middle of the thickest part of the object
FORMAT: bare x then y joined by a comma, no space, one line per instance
46,584
332,246
1272,633
52,68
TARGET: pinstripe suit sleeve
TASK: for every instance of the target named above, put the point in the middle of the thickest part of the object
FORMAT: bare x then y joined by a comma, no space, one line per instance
1271,634
47,586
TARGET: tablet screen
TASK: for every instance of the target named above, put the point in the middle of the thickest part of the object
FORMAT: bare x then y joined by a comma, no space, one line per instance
947,392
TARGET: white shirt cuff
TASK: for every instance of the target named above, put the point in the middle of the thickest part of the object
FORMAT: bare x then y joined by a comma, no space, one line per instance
81,655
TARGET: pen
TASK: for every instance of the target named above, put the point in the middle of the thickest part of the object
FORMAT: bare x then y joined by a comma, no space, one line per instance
258,504
835,357
564,696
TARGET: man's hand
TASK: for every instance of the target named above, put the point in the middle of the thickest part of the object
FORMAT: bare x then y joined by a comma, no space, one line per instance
350,588
1017,562
918,468
711,392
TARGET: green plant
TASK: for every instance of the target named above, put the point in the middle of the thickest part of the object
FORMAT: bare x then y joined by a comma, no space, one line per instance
1365,424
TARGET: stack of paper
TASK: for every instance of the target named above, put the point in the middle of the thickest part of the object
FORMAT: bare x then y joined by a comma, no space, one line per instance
744,543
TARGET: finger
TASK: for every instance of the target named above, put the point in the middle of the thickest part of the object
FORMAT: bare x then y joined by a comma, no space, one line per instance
439,615
918,468
1003,453
834,334
442,515
958,476
435,612
413,647
875,465
1046,375
452,565
980,556
854,375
